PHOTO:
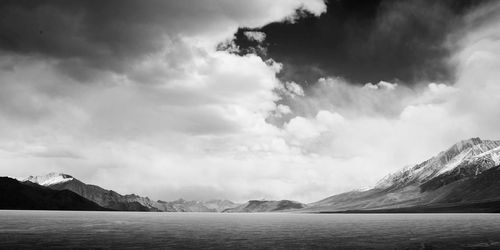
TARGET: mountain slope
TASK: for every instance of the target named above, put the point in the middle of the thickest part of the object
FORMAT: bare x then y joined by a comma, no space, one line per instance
446,180
105,198
16,195
483,187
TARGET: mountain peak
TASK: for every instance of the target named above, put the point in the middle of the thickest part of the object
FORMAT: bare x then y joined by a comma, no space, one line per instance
49,179
474,145
467,143
475,140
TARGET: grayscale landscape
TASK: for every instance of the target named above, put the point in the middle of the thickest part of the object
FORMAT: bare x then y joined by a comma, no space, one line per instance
232,124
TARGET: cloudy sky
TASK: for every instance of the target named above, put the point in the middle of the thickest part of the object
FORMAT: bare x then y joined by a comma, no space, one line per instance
295,99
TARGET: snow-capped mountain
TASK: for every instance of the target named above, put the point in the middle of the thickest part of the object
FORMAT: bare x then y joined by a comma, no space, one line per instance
462,176
49,179
461,154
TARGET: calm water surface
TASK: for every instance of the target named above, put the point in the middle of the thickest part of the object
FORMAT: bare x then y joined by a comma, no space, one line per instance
131,230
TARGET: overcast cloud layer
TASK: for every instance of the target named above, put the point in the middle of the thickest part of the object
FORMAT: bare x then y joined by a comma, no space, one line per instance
135,97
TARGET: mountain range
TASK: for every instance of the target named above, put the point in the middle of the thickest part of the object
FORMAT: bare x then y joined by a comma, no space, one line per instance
131,202
463,178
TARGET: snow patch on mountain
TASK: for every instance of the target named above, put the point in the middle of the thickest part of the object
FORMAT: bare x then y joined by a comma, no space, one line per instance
494,155
455,161
49,179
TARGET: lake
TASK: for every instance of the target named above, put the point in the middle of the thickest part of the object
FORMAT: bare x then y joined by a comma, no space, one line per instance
136,230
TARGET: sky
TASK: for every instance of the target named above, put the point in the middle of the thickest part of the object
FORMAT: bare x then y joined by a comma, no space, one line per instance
284,99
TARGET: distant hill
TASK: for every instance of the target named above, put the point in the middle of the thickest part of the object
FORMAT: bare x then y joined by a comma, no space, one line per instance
255,206
17,195
182,205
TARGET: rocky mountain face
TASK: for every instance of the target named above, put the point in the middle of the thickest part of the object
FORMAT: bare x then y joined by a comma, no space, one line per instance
254,206
18,195
460,176
130,202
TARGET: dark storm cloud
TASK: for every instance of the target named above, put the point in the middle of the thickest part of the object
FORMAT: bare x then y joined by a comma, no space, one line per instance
87,35
367,41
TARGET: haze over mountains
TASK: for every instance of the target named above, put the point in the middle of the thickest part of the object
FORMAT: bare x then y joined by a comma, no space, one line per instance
463,178
254,206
